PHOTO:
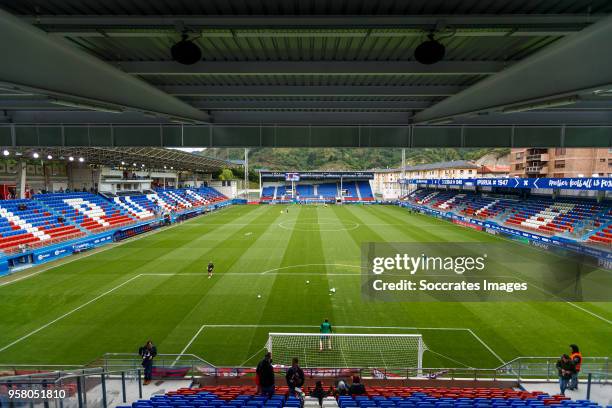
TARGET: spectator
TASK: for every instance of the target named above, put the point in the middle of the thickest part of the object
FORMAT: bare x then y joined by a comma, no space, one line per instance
148,352
341,388
294,376
576,357
357,388
265,371
566,369
319,393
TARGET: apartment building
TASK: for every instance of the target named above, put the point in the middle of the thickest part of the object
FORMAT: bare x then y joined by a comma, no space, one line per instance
386,181
561,162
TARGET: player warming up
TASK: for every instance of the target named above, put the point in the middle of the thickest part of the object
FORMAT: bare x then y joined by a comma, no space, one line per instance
211,267
326,330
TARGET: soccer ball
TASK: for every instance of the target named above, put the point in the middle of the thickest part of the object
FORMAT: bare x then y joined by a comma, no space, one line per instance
258,296
307,282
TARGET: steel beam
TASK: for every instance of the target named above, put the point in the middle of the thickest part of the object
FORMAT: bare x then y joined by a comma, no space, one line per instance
34,61
306,90
315,21
311,68
308,104
573,65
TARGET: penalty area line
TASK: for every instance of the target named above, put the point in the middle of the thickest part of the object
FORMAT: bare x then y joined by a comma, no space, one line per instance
76,309
298,326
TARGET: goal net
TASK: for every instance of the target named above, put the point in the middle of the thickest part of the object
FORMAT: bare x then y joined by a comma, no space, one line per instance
339,350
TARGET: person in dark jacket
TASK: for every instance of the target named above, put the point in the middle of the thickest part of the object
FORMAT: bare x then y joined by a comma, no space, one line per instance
294,376
148,352
319,393
566,368
265,371
357,388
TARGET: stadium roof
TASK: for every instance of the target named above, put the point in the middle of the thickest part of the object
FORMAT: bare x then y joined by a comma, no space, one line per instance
151,157
310,63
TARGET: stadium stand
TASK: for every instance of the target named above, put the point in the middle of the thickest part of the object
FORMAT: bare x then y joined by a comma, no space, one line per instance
376,397
351,189
574,218
49,218
90,211
365,190
305,190
328,190
27,222
134,208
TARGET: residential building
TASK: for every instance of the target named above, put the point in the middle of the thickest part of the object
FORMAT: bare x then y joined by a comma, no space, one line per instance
561,162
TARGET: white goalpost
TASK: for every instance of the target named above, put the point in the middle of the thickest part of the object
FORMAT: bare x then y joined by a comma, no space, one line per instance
343,350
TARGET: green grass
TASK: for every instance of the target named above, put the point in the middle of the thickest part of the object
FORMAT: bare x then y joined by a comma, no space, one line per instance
110,302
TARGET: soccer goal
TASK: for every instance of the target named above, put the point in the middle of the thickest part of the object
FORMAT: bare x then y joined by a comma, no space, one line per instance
340,350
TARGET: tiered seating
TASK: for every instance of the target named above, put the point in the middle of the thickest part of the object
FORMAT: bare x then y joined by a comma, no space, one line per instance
305,190
365,190
328,190
281,191
133,208
582,219
219,397
426,197
552,217
604,236
90,211
267,193
442,397
376,397
176,198
351,188
28,222
210,194
446,200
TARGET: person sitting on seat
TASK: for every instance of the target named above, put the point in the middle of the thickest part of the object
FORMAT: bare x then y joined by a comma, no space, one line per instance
357,388
319,393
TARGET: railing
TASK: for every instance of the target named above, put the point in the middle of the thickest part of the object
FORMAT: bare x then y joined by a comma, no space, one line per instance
93,387
544,368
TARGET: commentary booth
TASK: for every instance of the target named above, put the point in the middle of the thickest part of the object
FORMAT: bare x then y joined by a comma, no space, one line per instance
315,187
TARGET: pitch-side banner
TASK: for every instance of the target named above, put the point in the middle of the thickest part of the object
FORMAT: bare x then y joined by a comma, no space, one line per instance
582,183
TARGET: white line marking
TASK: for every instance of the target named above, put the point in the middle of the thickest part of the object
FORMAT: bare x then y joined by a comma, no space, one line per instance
187,346
486,346
68,313
297,326
314,264
589,312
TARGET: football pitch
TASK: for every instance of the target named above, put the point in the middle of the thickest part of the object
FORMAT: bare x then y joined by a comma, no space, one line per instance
155,286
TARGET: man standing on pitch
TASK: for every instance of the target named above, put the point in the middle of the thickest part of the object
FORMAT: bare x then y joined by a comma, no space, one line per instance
148,352
326,330
211,267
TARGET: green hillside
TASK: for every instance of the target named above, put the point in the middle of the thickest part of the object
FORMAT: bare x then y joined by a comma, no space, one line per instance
346,158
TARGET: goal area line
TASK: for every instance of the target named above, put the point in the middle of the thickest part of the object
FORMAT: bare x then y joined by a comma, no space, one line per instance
204,327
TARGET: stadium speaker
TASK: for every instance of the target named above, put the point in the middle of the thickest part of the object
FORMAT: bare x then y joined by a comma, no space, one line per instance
430,51
186,52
